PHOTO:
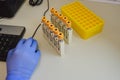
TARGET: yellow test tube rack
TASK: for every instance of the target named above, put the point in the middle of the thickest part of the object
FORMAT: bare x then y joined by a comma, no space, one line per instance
84,22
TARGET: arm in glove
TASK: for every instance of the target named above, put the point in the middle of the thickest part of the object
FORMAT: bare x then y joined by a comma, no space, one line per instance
22,60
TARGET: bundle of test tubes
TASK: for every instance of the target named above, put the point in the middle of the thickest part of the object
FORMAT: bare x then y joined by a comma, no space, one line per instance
53,35
63,24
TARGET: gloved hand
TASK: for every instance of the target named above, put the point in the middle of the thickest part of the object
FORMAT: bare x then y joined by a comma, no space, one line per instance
22,60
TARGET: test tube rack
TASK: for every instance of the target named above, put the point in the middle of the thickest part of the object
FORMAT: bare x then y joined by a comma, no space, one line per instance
63,24
58,31
53,35
84,21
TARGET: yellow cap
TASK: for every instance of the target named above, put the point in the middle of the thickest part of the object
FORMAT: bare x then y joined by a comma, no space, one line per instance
56,13
60,36
60,16
52,10
47,22
64,19
51,27
44,19
56,31
68,23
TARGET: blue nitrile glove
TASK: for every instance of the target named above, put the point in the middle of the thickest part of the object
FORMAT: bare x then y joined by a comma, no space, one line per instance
22,60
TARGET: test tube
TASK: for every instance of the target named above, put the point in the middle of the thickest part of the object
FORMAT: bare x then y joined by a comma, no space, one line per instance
43,25
56,17
47,28
64,19
61,43
55,40
67,28
52,15
51,32
60,16
68,32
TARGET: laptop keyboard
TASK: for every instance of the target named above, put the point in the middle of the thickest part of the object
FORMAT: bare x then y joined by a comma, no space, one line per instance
7,42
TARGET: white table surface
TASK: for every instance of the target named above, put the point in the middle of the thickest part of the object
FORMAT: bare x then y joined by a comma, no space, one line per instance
97,58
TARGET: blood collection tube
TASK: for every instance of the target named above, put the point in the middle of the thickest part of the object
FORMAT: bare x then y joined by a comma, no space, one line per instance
56,17
52,15
61,43
55,39
43,25
60,16
68,32
51,27
62,24
47,28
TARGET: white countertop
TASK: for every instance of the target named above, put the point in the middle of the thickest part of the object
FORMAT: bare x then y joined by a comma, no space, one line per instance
97,58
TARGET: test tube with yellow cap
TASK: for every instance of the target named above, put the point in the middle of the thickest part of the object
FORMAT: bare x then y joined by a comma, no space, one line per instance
61,43
52,14
43,23
47,28
58,21
68,32
55,39
64,20
51,27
